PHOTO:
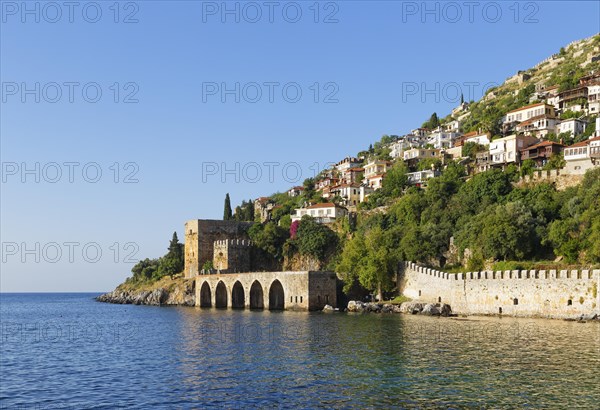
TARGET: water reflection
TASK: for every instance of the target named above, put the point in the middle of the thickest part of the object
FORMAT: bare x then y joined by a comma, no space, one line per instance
339,360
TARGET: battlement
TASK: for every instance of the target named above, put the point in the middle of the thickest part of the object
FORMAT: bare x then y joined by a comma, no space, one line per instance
555,293
508,274
233,243
200,238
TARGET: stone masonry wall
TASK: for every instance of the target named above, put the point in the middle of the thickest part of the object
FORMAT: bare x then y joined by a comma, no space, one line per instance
304,290
200,235
232,255
551,293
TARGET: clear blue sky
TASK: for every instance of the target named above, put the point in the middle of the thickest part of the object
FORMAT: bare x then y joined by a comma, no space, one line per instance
174,51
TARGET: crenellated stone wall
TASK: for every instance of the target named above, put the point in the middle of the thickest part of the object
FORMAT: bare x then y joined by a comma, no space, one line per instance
543,293
200,236
232,255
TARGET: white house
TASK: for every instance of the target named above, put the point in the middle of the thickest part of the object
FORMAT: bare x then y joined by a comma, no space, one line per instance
420,177
594,99
421,153
582,156
574,125
376,167
364,192
397,148
529,111
350,193
375,182
481,138
452,126
506,150
540,125
296,191
323,213
442,140
347,163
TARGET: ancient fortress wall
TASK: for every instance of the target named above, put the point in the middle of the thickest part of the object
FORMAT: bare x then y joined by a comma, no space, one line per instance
300,290
200,236
232,255
543,293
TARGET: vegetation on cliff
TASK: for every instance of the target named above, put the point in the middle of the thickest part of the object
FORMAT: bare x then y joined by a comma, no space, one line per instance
151,270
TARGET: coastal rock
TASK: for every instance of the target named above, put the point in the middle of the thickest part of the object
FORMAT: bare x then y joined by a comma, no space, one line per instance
445,310
355,306
431,310
591,316
156,297
328,308
387,308
373,307
411,307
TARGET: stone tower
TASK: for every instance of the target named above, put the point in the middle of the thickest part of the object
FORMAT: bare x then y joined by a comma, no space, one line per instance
200,236
232,255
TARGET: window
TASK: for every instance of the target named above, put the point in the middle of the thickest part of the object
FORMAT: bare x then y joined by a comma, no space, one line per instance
300,299
569,302
515,301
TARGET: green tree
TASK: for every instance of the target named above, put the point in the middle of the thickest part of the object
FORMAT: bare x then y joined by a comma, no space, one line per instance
527,167
395,180
315,239
270,238
556,161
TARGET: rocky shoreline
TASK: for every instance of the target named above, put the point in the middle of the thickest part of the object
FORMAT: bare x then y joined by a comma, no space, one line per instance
175,293
414,308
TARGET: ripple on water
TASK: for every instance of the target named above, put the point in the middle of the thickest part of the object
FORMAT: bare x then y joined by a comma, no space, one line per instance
108,356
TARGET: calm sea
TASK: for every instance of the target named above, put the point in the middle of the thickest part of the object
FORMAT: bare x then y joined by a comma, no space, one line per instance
66,351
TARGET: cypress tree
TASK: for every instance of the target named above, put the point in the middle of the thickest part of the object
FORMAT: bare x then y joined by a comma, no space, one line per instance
227,210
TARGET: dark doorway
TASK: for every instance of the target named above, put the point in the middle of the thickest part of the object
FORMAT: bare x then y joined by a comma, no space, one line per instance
205,298
221,296
257,300
238,299
276,296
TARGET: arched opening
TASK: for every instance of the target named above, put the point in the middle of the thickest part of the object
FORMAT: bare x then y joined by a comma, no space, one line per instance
221,295
499,310
276,296
257,300
515,301
419,293
439,299
238,299
569,302
205,299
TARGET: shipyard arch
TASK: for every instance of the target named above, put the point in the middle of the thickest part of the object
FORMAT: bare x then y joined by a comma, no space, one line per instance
205,298
257,300
276,296
221,295
238,299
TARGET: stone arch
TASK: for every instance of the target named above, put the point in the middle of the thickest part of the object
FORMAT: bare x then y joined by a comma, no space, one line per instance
276,296
257,299
238,299
205,298
221,295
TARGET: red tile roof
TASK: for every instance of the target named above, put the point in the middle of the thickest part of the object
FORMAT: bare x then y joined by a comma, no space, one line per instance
542,144
324,205
527,106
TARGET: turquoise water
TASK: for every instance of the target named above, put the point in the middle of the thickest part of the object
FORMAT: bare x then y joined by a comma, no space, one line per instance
68,351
